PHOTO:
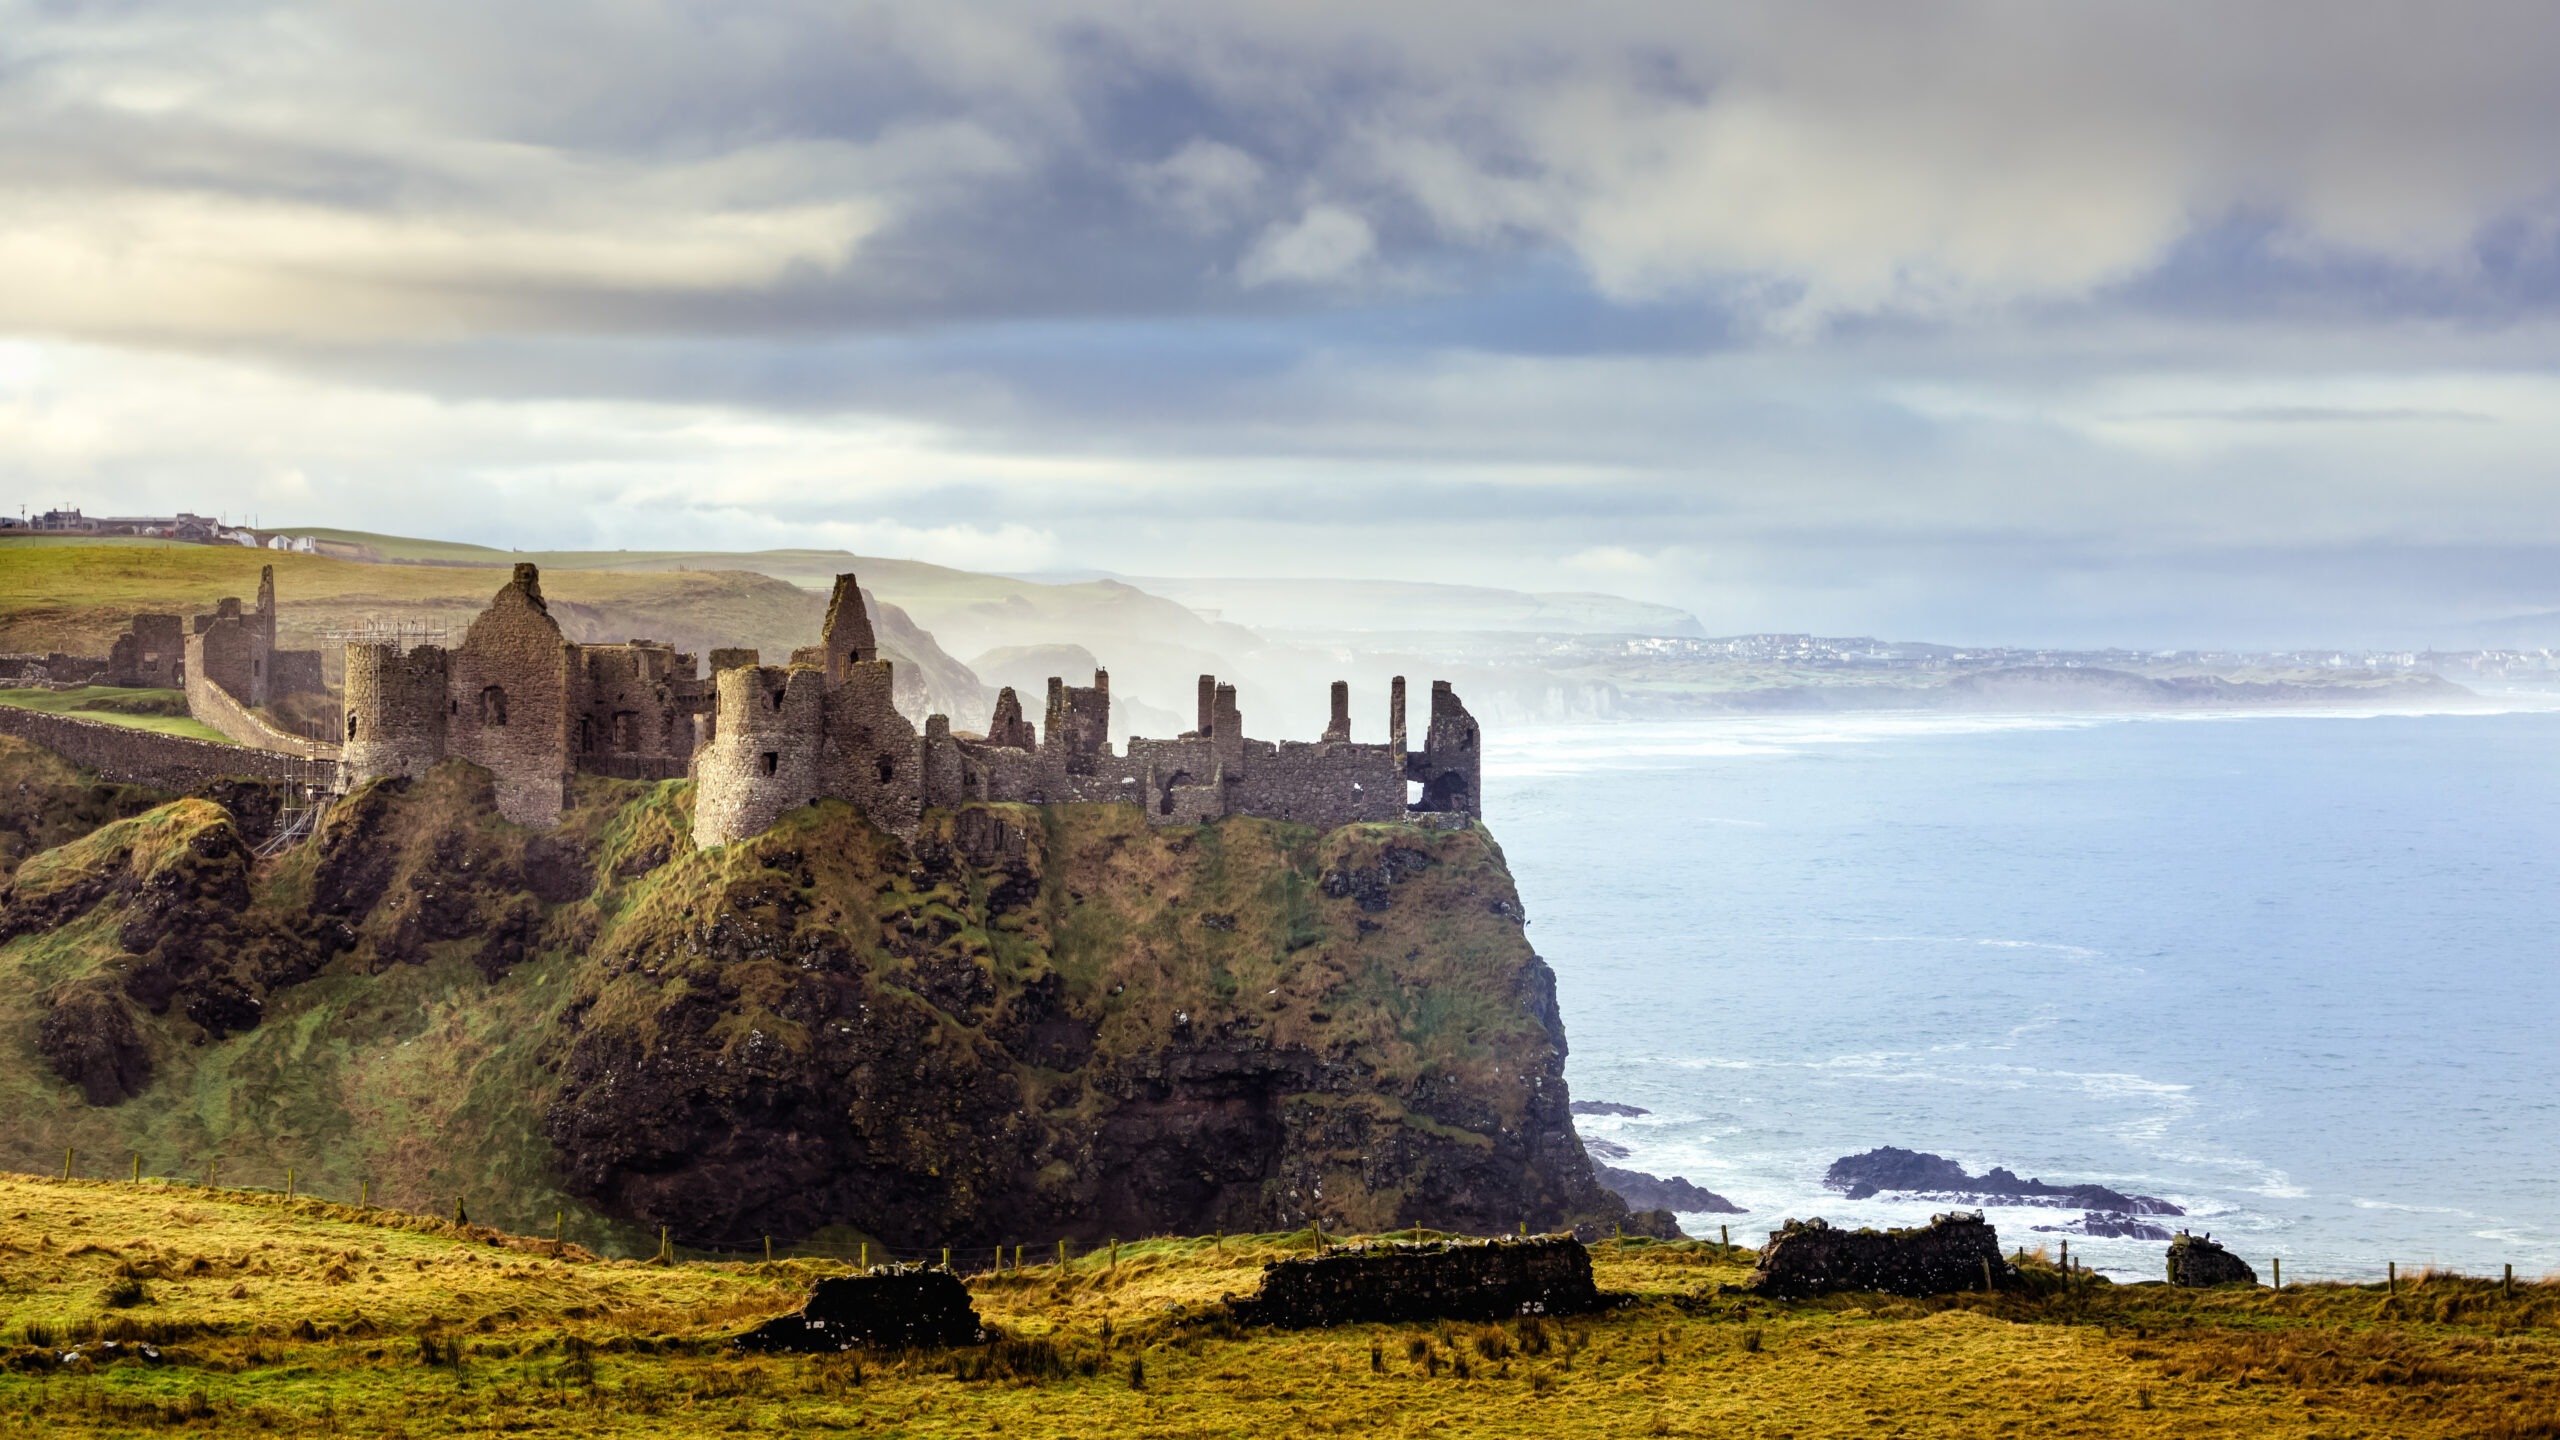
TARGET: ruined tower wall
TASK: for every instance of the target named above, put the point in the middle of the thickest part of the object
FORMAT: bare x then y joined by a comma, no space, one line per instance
1451,765
396,706
874,757
511,693
771,726
223,651
152,653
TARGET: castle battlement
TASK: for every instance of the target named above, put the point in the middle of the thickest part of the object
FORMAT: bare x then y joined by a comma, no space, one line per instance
762,740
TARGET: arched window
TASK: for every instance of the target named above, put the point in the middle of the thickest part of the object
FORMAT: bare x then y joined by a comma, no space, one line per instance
493,705
1164,806
351,727
884,769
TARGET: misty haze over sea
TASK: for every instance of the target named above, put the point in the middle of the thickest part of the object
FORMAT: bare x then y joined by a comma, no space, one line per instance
2291,971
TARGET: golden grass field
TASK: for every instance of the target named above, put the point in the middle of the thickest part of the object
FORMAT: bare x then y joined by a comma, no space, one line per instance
277,1316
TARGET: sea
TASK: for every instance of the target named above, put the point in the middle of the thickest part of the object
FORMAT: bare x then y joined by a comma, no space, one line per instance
2298,973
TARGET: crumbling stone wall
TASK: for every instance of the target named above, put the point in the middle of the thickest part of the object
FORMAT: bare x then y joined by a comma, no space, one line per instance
1451,766
151,654
1955,1251
509,707
56,669
128,756
2196,1262
1390,1283
635,708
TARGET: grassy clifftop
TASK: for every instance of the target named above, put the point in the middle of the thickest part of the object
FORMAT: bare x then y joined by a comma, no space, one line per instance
271,1316
1031,1024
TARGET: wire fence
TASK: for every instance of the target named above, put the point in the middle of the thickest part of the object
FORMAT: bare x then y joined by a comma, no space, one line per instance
632,1239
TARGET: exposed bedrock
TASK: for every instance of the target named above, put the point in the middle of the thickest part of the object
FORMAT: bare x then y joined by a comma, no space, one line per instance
1065,1022
1924,1176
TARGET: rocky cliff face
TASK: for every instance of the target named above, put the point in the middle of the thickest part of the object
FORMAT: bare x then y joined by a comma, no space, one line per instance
1031,1023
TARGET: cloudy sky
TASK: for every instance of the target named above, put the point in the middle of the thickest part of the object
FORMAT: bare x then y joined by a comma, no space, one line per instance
2084,323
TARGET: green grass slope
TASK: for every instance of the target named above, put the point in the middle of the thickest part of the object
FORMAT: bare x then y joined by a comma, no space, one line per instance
164,711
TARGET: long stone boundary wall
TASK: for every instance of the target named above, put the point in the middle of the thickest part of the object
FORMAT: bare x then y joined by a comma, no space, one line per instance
1956,1251
213,705
129,756
1389,1283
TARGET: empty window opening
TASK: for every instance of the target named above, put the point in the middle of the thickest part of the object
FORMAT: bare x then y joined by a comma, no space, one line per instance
351,727
776,697
1445,793
586,734
770,760
626,730
493,705
886,771
1164,805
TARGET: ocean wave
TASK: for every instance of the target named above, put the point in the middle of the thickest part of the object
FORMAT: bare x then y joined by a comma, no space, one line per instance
2363,1204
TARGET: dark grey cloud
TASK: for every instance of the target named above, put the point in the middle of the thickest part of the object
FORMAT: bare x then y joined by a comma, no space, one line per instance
1997,320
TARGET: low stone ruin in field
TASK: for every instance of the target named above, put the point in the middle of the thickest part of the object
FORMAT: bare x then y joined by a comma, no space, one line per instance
2196,1261
1456,1280
890,1307
1952,1252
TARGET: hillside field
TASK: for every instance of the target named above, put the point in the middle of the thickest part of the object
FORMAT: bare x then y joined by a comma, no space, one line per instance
278,1316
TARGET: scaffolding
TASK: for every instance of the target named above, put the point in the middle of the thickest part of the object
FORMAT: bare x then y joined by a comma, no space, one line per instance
407,635
309,786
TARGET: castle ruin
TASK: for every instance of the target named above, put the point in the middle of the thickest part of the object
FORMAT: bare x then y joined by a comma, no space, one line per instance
234,648
760,740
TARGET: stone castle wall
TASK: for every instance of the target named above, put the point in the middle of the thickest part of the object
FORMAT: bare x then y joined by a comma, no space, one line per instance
1953,1252
127,756
762,740
1392,1284
396,708
213,705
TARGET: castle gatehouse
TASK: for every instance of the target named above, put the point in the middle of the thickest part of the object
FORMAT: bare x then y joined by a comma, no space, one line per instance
533,707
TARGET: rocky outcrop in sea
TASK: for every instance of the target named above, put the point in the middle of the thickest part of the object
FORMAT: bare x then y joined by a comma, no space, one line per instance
1919,1175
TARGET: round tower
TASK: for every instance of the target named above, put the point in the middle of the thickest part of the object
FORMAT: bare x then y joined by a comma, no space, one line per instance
763,759
395,711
